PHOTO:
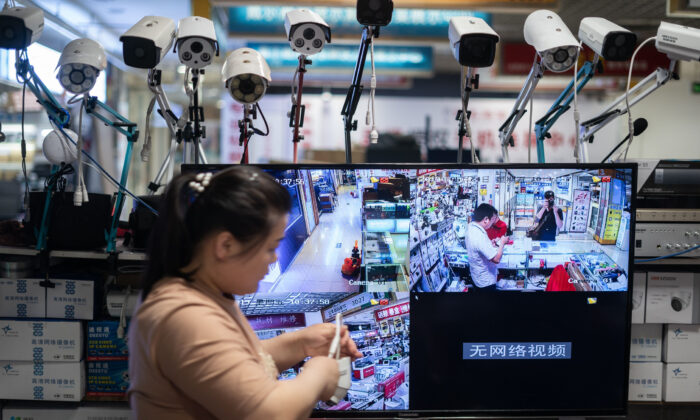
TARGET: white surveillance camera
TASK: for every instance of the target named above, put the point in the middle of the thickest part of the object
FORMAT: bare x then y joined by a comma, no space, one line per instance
473,41
553,41
20,26
196,42
58,149
607,39
678,42
81,62
307,32
246,75
147,42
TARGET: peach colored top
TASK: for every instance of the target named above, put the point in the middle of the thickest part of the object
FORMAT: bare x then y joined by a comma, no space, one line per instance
193,355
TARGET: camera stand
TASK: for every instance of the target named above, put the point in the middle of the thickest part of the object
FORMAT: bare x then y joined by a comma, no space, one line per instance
355,90
296,115
246,125
469,83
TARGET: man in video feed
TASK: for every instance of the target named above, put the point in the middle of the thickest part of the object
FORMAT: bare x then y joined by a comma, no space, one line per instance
497,229
550,217
483,255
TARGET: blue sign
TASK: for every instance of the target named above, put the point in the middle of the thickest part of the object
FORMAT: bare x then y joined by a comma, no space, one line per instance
516,351
399,59
415,23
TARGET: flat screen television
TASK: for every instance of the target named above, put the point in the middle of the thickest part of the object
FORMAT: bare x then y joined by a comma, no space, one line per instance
395,249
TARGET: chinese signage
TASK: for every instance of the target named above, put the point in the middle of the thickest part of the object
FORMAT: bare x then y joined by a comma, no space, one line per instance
362,300
392,311
579,211
516,351
269,322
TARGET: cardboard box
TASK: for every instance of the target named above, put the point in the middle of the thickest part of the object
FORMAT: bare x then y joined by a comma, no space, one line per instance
682,343
70,299
22,298
50,381
673,298
646,343
646,381
682,382
47,341
107,378
100,412
103,342
639,290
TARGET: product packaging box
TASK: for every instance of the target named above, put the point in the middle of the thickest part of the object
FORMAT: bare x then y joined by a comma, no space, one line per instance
70,299
646,343
646,381
107,378
673,298
41,340
682,382
101,412
22,298
639,289
50,381
682,343
103,342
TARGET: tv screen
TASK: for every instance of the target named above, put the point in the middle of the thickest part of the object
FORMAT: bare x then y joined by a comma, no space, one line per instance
451,322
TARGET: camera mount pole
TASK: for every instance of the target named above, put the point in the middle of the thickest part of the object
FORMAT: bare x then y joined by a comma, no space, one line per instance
197,116
296,115
355,90
249,114
470,83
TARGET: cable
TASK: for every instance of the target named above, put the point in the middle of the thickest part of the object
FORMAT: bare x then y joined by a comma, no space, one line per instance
577,115
79,196
255,131
146,150
668,256
630,123
373,135
463,85
529,133
24,153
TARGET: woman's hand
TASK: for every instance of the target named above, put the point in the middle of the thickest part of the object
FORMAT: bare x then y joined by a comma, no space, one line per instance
326,369
316,341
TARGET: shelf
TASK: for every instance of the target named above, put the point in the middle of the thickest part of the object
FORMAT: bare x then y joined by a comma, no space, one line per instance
122,253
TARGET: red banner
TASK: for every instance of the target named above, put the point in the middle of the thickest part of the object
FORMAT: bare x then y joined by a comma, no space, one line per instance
517,58
392,311
391,385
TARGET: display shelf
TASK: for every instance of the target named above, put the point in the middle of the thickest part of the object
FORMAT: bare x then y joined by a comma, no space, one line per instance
14,250
122,253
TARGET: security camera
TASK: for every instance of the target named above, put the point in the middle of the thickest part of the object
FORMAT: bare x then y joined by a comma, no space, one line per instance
473,41
246,75
20,26
147,42
58,149
678,42
374,12
81,62
553,41
196,42
607,39
307,32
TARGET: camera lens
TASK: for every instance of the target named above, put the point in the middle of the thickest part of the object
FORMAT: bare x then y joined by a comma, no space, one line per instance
309,34
247,86
196,47
205,57
139,52
299,42
317,43
77,77
374,5
560,56
8,33
187,56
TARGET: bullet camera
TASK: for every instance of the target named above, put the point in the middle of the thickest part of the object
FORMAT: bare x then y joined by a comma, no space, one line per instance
147,42
307,32
246,75
607,39
81,62
553,41
196,42
20,26
678,42
374,12
473,41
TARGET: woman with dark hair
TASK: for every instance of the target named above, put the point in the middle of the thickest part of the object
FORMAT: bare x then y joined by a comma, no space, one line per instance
193,354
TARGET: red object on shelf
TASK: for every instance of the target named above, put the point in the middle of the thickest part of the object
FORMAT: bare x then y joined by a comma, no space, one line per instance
363,372
391,385
343,405
559,281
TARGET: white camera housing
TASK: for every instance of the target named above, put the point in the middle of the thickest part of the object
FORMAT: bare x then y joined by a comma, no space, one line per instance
607,39
553,41
196,42
148,41
307,32
81,62
678,42
58,149
246,75
473,41
20,26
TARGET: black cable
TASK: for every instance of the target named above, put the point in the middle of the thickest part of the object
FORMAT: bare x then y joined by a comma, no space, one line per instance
24,153
255,131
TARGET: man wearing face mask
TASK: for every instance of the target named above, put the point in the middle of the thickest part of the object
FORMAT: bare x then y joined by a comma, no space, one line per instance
551,217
